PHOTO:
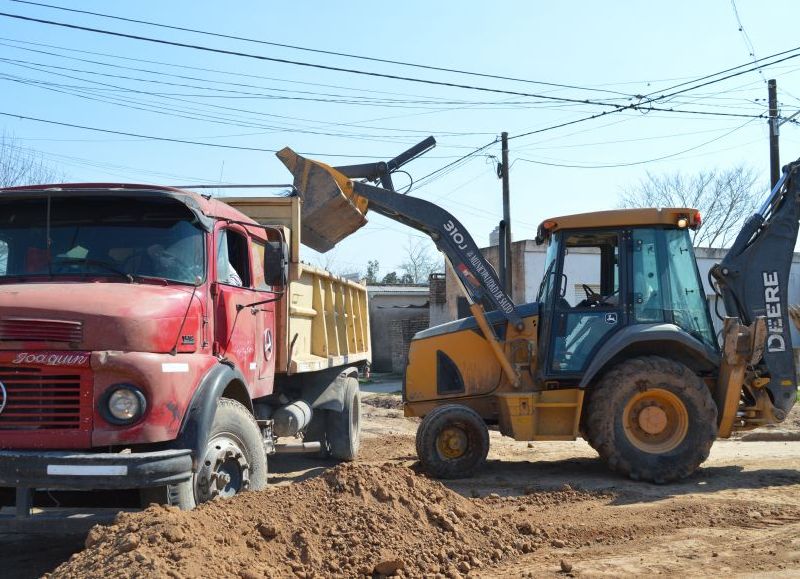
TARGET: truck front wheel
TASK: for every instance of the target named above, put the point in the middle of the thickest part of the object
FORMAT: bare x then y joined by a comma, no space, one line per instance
235,458
652,419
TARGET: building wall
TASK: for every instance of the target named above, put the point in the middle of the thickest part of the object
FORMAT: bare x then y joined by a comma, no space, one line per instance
400,334
388,304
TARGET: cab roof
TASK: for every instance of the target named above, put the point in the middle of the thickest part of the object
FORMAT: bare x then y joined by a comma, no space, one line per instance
207,206
616,218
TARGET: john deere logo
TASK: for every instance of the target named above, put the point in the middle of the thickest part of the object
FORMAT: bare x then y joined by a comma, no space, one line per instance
3,397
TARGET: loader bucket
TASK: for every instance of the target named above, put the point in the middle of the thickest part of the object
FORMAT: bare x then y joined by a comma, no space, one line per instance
330,210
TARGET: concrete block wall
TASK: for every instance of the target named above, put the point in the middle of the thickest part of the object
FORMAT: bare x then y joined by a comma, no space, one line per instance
400,334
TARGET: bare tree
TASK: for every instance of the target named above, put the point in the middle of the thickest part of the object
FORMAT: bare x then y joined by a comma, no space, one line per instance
420,262
724,197
22,166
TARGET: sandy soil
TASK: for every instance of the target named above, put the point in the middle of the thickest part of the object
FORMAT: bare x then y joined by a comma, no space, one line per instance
561,512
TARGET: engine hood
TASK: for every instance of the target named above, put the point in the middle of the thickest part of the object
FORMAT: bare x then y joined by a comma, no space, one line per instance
97,316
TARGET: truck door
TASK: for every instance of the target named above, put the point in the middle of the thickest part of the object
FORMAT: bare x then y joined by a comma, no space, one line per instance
266,338
235,330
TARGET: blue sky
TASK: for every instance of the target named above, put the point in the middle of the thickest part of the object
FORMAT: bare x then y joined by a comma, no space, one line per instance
607,51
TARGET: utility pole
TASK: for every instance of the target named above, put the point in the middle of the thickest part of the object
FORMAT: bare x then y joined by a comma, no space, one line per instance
506,239
774,153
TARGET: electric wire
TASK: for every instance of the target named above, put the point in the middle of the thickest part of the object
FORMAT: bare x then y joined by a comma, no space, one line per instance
321,51
299,63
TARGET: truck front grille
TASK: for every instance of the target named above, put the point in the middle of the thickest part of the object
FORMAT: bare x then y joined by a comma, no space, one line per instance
34,330
36,400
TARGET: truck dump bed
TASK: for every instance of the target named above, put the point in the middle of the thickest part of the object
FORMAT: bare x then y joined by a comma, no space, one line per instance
324,321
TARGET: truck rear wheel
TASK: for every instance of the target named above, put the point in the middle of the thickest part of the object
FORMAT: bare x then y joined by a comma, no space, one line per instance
652,419
343,429
452,441
235,459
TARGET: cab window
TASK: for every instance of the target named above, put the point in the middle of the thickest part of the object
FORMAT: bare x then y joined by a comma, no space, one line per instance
587,305
233,263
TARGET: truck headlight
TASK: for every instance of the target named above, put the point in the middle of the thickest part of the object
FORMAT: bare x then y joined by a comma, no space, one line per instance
123,404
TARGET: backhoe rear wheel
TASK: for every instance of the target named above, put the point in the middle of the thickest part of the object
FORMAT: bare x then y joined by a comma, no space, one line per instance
452,441
652,419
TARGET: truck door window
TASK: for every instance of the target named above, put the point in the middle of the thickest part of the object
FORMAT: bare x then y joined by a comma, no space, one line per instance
589,306
648,301
233,263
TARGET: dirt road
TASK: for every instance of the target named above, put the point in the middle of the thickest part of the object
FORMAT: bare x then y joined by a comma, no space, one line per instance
739,515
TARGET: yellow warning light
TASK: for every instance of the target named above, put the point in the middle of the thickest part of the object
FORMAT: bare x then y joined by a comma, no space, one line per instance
683,222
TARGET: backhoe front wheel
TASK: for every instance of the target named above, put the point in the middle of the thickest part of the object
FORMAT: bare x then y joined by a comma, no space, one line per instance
452,441
652,419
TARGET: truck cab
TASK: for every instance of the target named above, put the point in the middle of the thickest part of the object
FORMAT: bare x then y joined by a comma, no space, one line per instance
152,339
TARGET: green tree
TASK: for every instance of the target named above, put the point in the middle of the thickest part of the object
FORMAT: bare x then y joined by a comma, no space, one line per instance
390,278
373,268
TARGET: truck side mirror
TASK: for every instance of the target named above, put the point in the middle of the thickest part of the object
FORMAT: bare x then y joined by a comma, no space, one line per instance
276,263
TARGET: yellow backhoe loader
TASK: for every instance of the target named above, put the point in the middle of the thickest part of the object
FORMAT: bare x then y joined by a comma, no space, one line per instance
633,364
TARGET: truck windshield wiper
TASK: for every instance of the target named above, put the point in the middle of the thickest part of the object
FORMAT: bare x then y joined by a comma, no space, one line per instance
95,263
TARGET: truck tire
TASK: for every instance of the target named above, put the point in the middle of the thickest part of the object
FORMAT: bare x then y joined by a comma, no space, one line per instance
652,419
180,495
452,441
343,429
235,458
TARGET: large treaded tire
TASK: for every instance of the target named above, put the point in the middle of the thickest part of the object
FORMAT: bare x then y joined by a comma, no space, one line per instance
179,495
233,418
343,429
606,428
428,435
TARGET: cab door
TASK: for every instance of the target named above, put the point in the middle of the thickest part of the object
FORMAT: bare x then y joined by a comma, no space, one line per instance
266,339
589,302
235,324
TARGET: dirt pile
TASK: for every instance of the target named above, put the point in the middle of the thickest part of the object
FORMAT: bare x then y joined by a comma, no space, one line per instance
388,401
354,520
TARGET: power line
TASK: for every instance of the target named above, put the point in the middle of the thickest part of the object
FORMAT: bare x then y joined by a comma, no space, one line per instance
171,140
301,63
747,42
632,163
320,51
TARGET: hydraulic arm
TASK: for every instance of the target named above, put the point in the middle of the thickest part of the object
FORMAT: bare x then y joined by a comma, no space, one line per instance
753,280
478,277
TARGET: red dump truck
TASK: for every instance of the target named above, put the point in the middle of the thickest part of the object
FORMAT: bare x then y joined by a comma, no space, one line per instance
164,342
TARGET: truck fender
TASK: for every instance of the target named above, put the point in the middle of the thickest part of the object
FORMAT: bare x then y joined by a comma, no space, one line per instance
326,389
219,380
667,340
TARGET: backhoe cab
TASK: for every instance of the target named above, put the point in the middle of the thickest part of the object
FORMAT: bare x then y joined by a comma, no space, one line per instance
632,363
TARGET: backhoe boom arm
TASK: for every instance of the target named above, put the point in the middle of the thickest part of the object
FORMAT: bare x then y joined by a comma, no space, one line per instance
753,279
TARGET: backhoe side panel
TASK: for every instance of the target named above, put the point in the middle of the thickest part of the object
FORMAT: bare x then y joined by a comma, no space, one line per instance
754,281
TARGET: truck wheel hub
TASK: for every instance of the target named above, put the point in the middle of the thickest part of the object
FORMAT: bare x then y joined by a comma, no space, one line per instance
224,472
452,442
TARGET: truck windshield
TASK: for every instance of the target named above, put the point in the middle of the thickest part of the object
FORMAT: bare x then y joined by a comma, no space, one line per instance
123,237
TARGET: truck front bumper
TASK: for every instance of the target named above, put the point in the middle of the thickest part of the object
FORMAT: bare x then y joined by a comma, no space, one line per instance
64,470
27,471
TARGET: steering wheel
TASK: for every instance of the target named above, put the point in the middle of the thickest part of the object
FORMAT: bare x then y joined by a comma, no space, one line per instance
592,296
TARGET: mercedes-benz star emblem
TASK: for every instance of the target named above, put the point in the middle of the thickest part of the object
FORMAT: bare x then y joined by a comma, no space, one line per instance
3,397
